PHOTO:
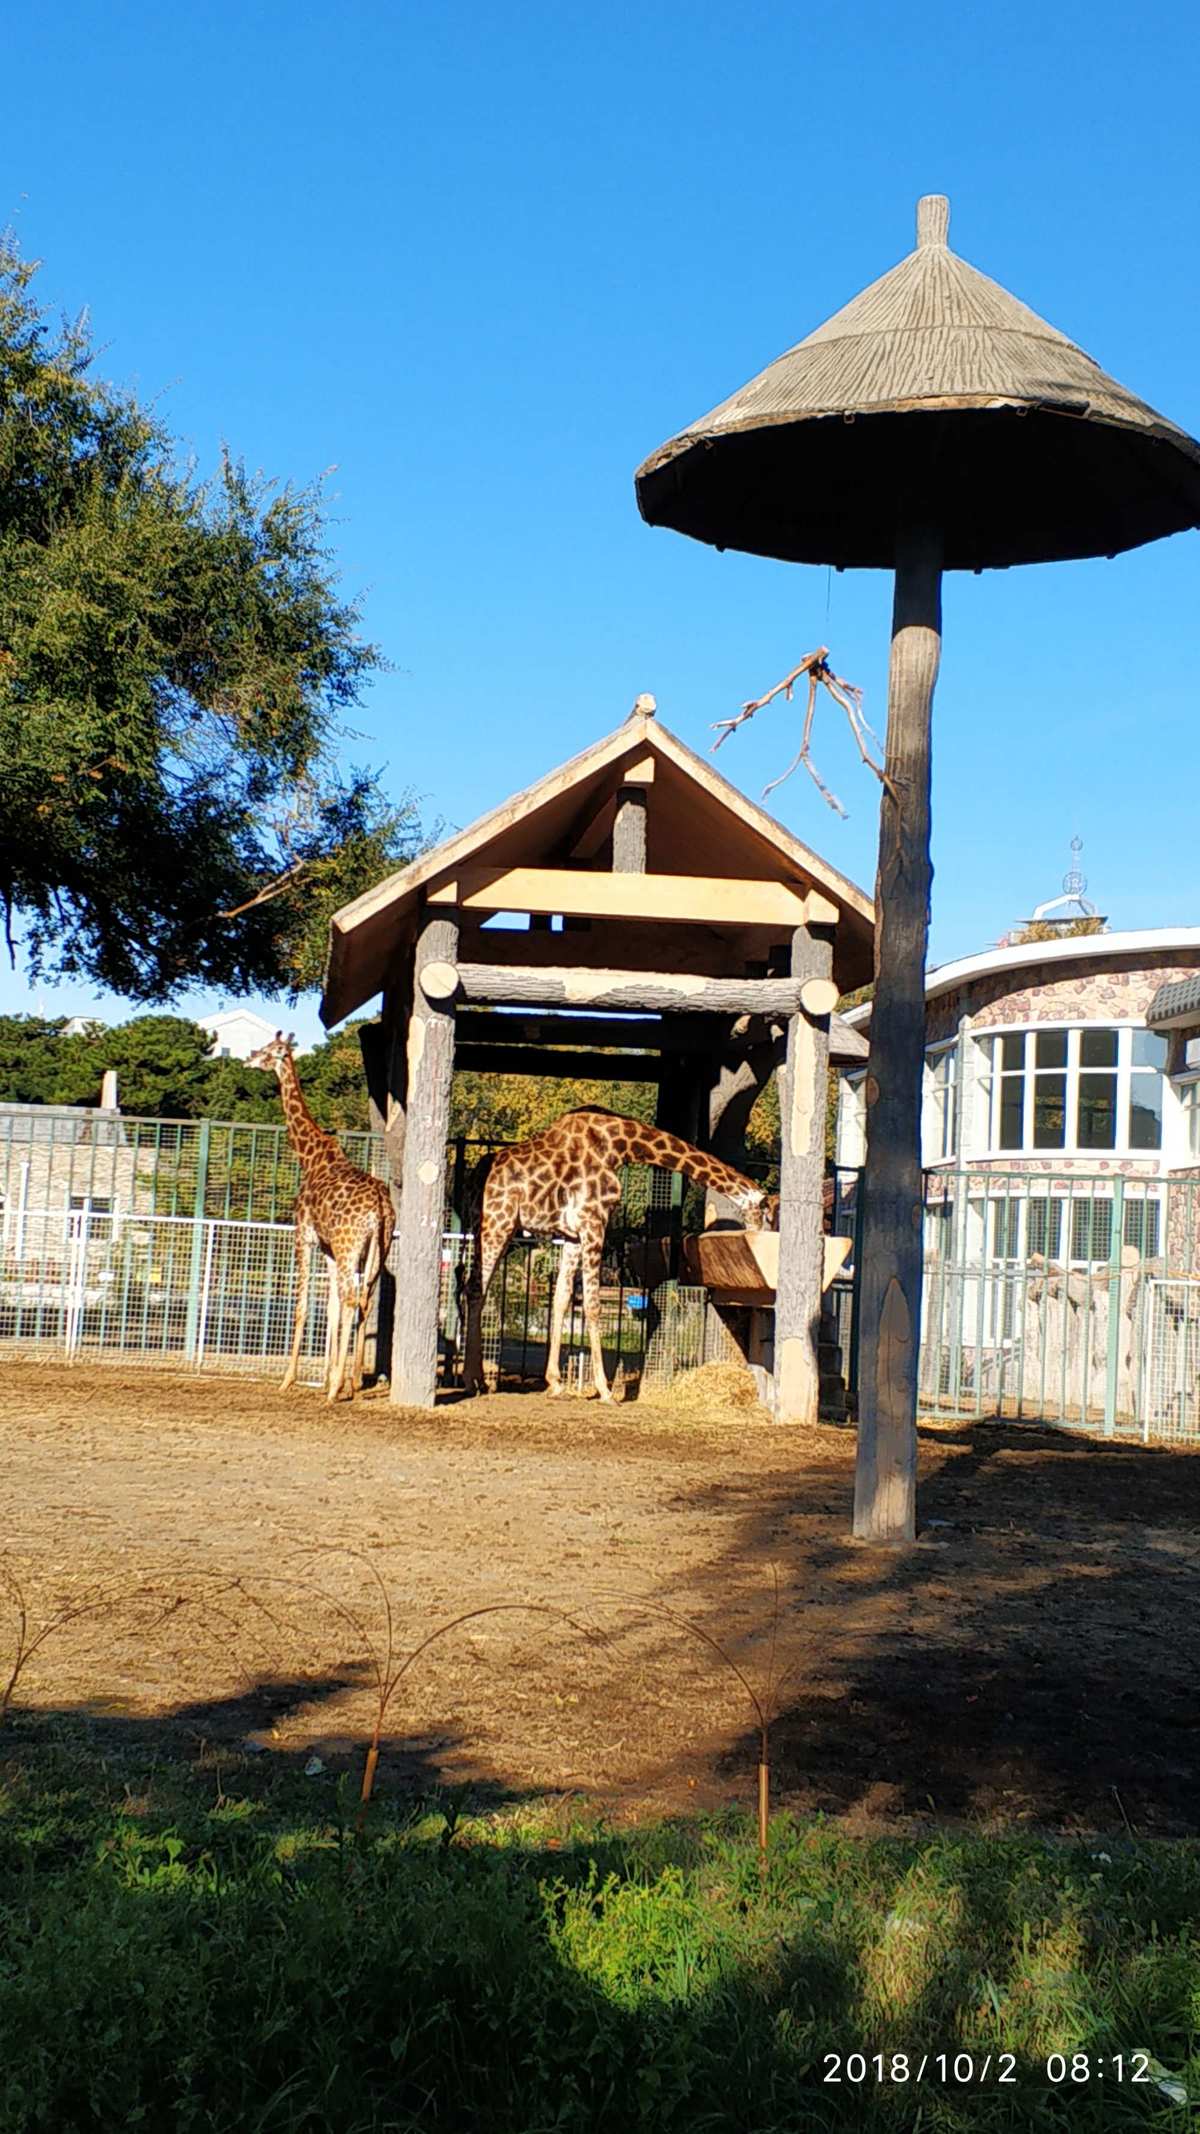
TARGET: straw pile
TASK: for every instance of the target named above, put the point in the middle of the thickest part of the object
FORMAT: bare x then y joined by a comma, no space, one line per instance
714,1392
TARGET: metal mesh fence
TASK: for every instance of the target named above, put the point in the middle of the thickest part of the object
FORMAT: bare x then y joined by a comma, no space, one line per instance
1062,1299
55,1157
158,1289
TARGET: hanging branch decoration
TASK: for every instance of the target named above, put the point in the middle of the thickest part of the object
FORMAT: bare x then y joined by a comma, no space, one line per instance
847,694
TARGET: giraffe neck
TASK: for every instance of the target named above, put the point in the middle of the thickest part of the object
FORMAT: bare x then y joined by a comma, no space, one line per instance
653,1144
307,1138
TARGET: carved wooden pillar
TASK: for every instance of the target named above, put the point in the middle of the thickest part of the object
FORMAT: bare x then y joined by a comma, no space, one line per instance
418,1247
889,1298
803,1081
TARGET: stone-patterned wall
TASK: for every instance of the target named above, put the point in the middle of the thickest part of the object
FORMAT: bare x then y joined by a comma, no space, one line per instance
1183,1222
1056,993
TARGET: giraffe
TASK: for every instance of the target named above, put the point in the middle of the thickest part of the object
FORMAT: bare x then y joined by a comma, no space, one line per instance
349,1215
565,1182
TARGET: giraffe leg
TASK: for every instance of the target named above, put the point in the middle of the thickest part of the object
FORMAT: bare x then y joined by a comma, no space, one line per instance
332,1321
366,1290
592,1244
564,1290
347,1291
303,1247
491,1239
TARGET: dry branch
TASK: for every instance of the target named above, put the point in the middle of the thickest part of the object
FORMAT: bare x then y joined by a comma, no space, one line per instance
815,665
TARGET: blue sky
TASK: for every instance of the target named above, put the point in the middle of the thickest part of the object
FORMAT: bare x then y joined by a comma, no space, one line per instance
480,260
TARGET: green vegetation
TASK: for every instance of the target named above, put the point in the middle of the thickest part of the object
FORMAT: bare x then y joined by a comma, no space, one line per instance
164,1071
176,668
211,1946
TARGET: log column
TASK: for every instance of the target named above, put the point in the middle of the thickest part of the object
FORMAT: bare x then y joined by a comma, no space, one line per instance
889,1293
377,1042
418,1247
803,1081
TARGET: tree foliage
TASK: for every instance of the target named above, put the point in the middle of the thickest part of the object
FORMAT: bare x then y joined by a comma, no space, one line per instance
511,1107
175,669
165,1071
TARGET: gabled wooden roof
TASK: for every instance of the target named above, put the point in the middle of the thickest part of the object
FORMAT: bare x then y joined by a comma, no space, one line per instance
698,825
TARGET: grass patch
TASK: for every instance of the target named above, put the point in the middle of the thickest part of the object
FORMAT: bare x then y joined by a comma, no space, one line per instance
209,1946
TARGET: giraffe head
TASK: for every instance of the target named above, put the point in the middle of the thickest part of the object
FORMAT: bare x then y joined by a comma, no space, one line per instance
272,1056
759,1210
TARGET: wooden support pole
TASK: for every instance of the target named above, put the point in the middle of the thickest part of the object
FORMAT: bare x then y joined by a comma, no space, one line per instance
889,1300
418,1248
629,831
803,1082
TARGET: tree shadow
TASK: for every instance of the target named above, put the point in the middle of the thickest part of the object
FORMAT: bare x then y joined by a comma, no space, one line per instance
1028,1663
231,1955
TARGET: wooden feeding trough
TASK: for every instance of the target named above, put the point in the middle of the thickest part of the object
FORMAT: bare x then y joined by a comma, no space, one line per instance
742,1266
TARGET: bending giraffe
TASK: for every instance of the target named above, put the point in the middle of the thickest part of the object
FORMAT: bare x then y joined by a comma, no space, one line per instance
565,1183
349,1215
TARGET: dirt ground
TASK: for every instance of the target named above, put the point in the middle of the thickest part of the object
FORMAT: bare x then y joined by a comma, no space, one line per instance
1031,1662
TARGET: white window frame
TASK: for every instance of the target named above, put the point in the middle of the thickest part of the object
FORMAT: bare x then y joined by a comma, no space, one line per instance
852,1121
992,1077
943,1092
1188,1093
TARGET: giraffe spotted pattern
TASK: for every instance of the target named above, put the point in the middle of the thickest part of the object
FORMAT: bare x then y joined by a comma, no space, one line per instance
565,1183
348,1214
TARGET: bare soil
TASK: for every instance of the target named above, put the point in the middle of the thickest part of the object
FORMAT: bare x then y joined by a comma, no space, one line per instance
1031,1662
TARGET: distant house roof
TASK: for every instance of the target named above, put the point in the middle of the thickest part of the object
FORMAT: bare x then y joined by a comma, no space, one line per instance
222,1020
1175,1004
67,1124
699,824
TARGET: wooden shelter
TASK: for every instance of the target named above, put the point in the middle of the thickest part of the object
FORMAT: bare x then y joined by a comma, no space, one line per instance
934,423
632,900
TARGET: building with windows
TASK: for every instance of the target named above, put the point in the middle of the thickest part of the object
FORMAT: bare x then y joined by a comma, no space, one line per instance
1066,1058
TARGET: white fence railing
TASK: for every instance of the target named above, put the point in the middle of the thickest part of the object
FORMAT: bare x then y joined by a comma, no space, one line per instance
216,1294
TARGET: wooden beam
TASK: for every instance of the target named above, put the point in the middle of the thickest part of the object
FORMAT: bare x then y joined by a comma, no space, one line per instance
559,1066
650,1033
418,1246
667,992
614,944
639,773
708,900
597,833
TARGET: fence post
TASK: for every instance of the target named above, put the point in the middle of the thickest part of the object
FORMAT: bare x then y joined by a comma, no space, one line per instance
1116,1244
860,1196
194,1272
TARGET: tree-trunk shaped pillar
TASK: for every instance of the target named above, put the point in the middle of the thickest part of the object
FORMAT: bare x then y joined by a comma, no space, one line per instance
889,1296
802,1097
418,1247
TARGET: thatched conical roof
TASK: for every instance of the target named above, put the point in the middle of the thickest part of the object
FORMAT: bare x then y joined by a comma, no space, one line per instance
934,397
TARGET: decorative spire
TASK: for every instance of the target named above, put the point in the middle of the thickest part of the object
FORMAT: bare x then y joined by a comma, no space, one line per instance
933,220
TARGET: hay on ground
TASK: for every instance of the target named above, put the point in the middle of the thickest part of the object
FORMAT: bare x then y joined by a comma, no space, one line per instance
711,1392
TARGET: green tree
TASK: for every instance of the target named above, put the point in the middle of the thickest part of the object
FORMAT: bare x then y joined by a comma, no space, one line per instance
511,1107
30,1058
175,668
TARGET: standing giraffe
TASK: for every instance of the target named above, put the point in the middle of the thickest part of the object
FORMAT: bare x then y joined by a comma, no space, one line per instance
565,1182
349,1215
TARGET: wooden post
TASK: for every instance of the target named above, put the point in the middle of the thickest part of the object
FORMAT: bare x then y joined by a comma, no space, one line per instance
885,1487
629,831
418,1247
804,1079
